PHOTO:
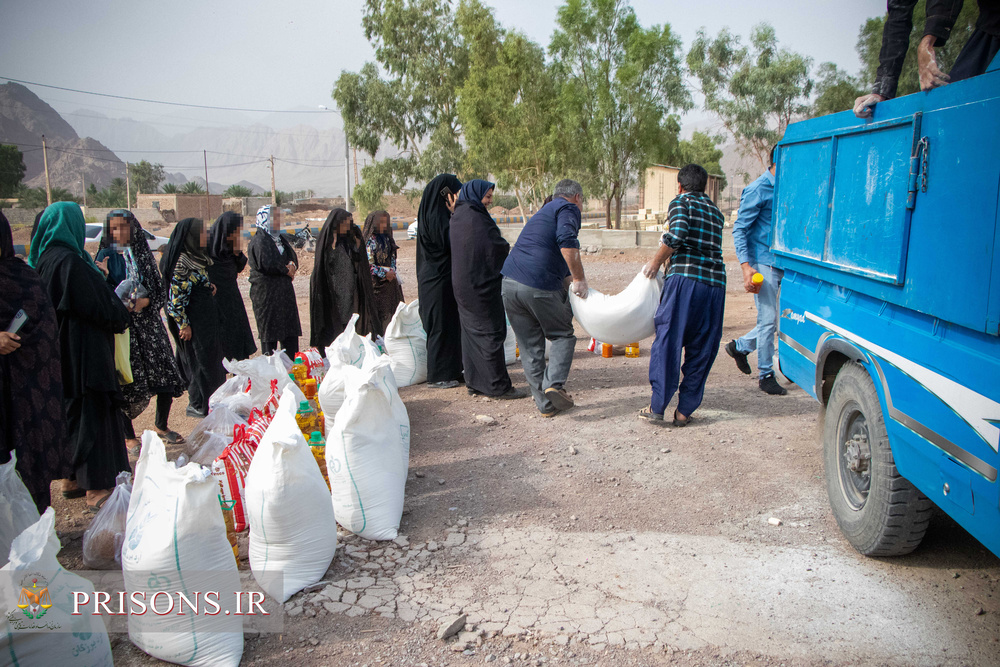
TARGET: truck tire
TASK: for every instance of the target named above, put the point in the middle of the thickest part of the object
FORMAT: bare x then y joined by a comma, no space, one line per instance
879,512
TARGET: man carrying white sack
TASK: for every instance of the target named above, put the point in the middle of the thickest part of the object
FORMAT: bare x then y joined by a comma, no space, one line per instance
689,318
536,273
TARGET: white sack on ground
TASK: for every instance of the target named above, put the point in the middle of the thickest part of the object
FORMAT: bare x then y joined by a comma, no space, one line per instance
406,345
17,509
347,350
293,532
53,635
510,346
175,529
368,452
626,317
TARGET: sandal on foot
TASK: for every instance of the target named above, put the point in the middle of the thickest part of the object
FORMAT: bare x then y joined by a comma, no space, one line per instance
172,437
680,423
652,417
74,494
96,507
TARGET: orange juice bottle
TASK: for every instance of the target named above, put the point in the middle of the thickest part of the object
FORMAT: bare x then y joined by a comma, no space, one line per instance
309,389
607,350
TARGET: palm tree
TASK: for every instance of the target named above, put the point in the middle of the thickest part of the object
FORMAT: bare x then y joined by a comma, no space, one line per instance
192,188
237,190
170,189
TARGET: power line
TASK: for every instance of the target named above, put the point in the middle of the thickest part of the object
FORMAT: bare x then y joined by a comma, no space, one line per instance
173,104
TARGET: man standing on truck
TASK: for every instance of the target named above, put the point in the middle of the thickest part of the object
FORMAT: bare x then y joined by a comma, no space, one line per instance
751,235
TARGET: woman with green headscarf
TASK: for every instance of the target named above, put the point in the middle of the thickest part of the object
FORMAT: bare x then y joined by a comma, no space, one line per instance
192,314
88,314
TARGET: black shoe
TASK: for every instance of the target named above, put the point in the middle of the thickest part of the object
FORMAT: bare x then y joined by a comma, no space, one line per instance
769,385
559,398
511,394
193,412
473,392
739,357
446,384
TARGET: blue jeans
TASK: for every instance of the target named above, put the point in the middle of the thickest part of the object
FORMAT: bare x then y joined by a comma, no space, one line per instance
761,337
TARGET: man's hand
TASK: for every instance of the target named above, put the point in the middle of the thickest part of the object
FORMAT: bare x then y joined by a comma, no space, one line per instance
864,106
390,275
748,283
931,76
651,269
185,333
292,269
580,288
8,342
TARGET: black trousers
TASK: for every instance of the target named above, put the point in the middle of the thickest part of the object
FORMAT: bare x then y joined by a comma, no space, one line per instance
290,345
975,57
163,403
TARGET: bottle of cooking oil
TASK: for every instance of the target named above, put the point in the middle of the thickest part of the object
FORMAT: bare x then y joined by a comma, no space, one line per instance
305,417
318,447
632,351
300,371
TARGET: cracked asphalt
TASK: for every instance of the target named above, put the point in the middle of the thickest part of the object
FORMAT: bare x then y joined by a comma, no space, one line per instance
595,539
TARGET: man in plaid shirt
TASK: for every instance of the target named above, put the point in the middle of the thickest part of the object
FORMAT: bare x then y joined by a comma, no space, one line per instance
689,318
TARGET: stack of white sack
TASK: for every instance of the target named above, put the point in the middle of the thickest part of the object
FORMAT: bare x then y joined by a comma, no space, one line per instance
626,317
46,631
17,509
368,451
406,345
347,350
293,533
175,540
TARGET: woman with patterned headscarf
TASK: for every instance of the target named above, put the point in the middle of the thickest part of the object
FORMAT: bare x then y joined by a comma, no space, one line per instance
228,261
273,265
126,256
88,314
192,316
382,257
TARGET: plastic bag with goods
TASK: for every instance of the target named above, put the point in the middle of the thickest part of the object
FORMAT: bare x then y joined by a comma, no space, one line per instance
234,395
102,541
368,451
292,529
46,631
17,509
406,345
176,530
348,349
201,446
626,317
260,371
510,346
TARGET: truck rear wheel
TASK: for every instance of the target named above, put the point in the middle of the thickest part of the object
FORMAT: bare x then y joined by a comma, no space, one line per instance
879,512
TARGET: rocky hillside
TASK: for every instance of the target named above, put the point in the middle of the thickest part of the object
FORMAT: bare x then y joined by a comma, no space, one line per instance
24,118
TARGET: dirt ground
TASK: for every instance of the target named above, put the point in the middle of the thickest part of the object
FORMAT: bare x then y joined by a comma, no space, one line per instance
595,539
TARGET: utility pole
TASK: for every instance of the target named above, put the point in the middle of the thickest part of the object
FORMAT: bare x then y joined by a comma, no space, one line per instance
274,196
355,150
83,185
347,172
128,188
45,161
208,195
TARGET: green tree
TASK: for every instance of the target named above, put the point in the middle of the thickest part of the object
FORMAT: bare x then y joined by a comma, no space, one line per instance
146,177
836,90
755,90
192,188
506,106
11,170
112,196
617,85
702,149
170,189
237,190
413,106
36,197
870,42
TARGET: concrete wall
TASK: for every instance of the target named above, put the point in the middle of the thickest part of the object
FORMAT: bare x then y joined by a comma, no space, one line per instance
206,207
20,216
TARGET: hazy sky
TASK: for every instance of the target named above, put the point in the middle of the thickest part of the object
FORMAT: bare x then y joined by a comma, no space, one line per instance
286,55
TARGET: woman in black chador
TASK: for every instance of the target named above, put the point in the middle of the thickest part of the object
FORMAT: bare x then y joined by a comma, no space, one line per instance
438,309
478,255
228,261
192,317
273,265
341,283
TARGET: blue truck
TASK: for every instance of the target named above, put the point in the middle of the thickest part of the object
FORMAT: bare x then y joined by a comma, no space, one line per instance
889,311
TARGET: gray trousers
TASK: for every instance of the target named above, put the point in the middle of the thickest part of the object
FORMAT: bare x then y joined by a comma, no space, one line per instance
537,315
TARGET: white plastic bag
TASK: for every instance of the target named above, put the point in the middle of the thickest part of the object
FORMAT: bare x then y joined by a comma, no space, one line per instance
260,371
626,317
406,345
368,451
212,434
292,528
17,509
52,635
175,529
347,350
102,541
510,346
233,395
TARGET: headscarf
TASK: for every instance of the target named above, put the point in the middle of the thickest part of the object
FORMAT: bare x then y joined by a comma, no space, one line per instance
184,253
475,190
220,248
6,239
371,227
264,224
61,224
433,209
136,244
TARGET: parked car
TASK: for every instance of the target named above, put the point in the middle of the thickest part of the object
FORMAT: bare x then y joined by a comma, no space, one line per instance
95,232
411,231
